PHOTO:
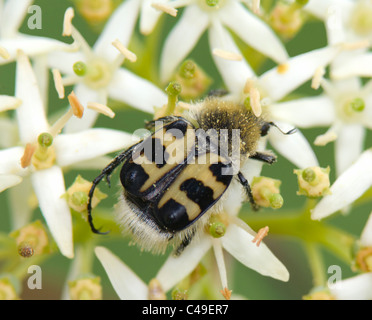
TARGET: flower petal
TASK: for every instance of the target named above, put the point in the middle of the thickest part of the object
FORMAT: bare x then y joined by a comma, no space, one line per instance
8,181
126,283
294,147
119,26
299,69
31,114
149,16
177,268
31,45
366,237
320,8
239,244
75,147
263,39
234,73
49,187
9,103
12,16
349,186
182,39
64,61
355,288
349,145
360,65
136,91
20,206
10,161
305,112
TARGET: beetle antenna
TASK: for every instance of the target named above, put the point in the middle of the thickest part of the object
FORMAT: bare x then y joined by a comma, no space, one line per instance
286,133
106,172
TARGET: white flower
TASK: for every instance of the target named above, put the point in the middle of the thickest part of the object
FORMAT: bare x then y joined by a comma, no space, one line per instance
270,88
354,288
12,13
217,16
46,173
103,77
348,187
345,107
126,283
347,23
358,287
366,236
238,241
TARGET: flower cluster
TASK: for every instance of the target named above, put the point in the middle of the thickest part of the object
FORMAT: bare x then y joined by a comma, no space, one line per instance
117,60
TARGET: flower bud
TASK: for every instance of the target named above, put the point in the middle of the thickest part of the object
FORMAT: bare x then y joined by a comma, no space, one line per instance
88,288
77,195
193,79
32,240
8,289
266,192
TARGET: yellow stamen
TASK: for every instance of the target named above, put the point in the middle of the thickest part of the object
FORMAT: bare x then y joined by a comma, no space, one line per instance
262,233
255,101
60,123
227,55
58,83
184,105
101,108
155,291
76,106
283,68
362,44
256,6
67,22
226,293
27,155
167,9
4,53
324,139
124,51
317,78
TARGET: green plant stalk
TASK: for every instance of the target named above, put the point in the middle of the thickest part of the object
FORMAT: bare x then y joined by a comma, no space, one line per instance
300,226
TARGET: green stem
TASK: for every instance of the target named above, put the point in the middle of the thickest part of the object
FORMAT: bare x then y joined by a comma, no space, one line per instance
299,225
316,264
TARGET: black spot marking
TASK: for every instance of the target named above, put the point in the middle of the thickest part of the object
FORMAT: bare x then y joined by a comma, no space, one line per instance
198,192
173,216
222,172
154,151
133,177
177,128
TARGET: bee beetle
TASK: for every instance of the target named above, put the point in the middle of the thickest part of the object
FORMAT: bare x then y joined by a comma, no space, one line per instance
173,178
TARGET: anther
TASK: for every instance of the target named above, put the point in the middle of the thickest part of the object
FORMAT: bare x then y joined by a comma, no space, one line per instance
262,233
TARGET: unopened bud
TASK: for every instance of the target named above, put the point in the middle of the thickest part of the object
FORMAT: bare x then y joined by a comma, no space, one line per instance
85,289
193,80
266,192
178,294
77,195
364,259
8,289
31,239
